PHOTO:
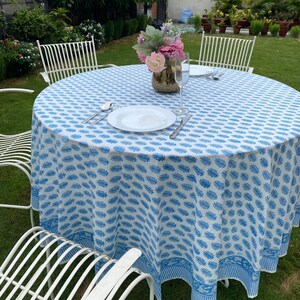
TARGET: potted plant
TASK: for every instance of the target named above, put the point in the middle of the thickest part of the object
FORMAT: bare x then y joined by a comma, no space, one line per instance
221,21
274,29
295,31
197,23
207,25
246,19
235,16
284,23
256,27
283,28
293,6
204,17
266,25
222,26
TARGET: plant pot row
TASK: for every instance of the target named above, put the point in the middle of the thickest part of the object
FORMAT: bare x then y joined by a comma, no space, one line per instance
236,29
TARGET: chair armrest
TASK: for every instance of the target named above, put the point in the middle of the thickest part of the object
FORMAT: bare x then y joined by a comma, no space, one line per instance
194,60
45,77
16,90
106,65
111,278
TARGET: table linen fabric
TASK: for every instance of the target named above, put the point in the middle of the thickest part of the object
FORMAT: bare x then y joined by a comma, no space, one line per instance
217,202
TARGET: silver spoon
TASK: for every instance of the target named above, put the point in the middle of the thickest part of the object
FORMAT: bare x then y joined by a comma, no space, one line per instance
104,107
217,76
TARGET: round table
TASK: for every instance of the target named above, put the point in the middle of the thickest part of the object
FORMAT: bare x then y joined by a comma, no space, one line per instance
219,201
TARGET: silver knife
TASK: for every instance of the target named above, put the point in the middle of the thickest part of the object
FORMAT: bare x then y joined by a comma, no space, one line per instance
92,116
100,119
103,117
182,123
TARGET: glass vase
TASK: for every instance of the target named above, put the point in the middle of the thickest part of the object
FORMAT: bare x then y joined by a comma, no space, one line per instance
164,82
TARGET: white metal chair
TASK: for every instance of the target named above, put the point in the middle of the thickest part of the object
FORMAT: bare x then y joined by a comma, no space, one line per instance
34,260
225,52
15,150
66,59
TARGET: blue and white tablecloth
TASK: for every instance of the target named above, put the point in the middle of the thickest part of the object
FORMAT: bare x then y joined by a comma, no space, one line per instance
217,202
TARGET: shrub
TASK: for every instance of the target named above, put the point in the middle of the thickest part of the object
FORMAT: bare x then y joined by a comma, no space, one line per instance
89,28
3,23
126,28
109,31
30,23
149,21
295,31
71,35
130,27
2,66
133,26
256,26
119,25
197,22
59,21
274,29
20,57
213,28
142,22
33,23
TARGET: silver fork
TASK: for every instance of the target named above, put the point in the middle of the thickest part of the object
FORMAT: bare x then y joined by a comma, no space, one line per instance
215,76
106,106
103,117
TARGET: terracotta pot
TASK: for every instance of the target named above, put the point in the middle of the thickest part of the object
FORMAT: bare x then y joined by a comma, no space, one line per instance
295,23
204,21
236,29
217,21
244,23
283,31
207,28
284,24
222,28
265,30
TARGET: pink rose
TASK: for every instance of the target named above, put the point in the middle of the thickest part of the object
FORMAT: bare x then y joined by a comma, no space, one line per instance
173,51
155,62
141,57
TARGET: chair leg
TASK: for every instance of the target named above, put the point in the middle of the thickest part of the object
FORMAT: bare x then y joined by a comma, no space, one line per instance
48,270
32,217
225,282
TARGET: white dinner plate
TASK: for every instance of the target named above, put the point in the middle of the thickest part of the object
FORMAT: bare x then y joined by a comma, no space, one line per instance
196,70
141,118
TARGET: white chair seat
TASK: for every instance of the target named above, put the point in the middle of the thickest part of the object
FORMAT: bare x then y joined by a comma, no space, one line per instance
33,267
15,151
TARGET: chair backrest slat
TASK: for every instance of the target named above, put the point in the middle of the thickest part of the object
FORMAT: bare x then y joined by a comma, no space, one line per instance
66,59
33,270
225,52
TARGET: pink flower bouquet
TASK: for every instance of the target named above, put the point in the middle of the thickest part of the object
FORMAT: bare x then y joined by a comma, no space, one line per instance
158,49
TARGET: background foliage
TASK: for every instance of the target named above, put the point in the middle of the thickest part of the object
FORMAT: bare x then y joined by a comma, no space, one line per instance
272,57
99,10
19,56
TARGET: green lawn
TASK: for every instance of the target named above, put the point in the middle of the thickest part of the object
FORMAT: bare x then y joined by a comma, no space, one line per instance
277,58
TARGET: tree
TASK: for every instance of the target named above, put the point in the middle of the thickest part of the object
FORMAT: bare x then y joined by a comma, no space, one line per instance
99,10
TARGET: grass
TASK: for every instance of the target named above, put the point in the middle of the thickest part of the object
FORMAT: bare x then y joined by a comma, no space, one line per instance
276,58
